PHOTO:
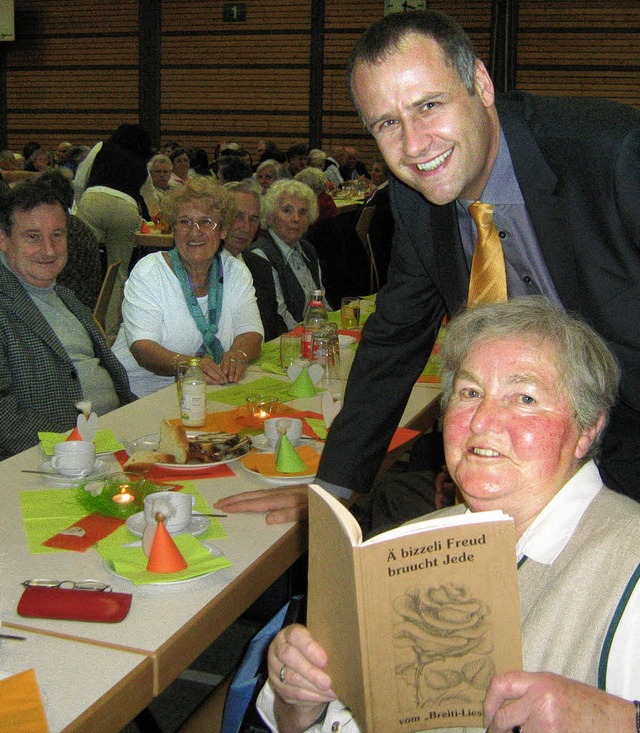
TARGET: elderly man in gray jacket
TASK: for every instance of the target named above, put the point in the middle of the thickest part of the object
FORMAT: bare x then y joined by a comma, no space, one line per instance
52,352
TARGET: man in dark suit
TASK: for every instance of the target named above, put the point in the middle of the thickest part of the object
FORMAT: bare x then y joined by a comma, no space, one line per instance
52,352
237,241
564,176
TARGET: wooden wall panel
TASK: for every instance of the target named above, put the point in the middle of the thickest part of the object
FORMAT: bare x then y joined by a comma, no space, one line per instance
580,49
72,73
75,70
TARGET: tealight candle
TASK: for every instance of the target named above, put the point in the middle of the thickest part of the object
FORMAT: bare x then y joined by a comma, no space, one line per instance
124,497
261,406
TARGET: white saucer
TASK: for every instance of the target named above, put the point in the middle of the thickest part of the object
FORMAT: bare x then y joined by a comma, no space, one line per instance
136,524
261,442
345,340
99,470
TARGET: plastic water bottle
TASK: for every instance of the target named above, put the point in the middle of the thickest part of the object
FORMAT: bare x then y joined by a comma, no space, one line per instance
193,407
315,318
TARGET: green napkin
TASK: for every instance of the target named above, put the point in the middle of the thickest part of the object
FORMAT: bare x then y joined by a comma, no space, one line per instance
288,459
105,441
267,366
302,386
237,395
131,562
47,512
269,352
317,425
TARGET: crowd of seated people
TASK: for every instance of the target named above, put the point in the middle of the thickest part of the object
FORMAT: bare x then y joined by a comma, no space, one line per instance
120,181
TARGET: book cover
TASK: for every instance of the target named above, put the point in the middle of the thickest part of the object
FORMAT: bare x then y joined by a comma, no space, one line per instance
417,620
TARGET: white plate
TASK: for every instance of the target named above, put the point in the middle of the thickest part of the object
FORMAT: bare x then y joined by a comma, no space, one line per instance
150,442
346,340
282,478
99,470
136,523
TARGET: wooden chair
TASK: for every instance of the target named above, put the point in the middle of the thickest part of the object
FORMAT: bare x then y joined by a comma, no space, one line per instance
363,226
104,296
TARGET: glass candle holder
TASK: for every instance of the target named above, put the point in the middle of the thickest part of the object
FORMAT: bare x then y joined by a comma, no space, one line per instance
261,406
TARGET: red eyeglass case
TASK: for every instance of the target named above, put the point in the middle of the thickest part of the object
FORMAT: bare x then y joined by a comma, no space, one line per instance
70,604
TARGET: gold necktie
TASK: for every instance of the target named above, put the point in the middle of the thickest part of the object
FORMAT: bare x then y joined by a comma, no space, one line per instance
488,283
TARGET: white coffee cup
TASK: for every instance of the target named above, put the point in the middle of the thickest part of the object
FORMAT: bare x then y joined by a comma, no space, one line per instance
294,429
73,457
176,507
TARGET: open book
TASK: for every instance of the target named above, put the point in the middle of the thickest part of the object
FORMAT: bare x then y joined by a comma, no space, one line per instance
417,620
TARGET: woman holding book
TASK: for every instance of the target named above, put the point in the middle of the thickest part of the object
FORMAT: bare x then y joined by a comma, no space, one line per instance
527,391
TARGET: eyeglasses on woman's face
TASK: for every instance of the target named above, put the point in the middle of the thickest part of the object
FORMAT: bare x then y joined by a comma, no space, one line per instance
205,224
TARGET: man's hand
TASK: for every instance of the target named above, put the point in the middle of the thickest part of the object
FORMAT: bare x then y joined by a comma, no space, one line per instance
542,702
283,504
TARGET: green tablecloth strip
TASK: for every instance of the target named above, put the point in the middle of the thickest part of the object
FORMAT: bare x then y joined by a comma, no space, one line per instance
237,395
47,512
269,354
131,562
105,441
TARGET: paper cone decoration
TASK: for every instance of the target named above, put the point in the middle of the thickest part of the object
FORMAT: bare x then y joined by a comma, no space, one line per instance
303,386
165,556
287,458
75,435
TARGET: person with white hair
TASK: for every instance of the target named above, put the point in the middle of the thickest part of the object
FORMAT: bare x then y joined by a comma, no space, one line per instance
288,208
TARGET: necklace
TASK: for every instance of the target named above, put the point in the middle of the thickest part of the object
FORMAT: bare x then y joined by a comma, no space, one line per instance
199,286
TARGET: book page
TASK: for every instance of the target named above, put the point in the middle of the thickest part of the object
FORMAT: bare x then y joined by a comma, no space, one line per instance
442,617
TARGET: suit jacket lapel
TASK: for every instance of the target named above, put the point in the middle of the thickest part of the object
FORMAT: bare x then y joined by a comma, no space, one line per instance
542,192
25,309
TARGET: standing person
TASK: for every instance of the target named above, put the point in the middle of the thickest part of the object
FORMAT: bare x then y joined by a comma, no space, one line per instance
564,177
52,352
430,104
112,202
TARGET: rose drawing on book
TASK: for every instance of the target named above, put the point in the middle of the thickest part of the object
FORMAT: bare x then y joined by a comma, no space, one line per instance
443,644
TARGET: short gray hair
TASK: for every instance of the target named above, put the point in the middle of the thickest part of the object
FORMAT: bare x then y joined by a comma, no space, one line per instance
587,369
159,158
287,187
314,178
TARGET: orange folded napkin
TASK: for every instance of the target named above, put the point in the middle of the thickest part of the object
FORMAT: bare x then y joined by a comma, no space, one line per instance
95,526
265,463
21,710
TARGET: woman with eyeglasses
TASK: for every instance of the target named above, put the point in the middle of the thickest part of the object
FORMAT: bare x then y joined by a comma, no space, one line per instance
195,300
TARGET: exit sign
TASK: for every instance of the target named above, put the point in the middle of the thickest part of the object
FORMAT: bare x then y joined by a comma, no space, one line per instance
234,12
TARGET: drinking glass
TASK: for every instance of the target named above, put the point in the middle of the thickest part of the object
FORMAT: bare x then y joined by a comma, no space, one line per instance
290,349
350,312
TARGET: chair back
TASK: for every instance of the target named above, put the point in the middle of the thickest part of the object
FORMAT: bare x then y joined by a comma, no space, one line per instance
104,296
363,227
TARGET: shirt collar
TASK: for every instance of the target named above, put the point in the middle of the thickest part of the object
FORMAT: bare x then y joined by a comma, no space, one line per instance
502,186
286,250
546,537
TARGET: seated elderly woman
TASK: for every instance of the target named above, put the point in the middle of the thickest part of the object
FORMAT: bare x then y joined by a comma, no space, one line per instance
195,300
526,392
267,173
319,184
288,208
